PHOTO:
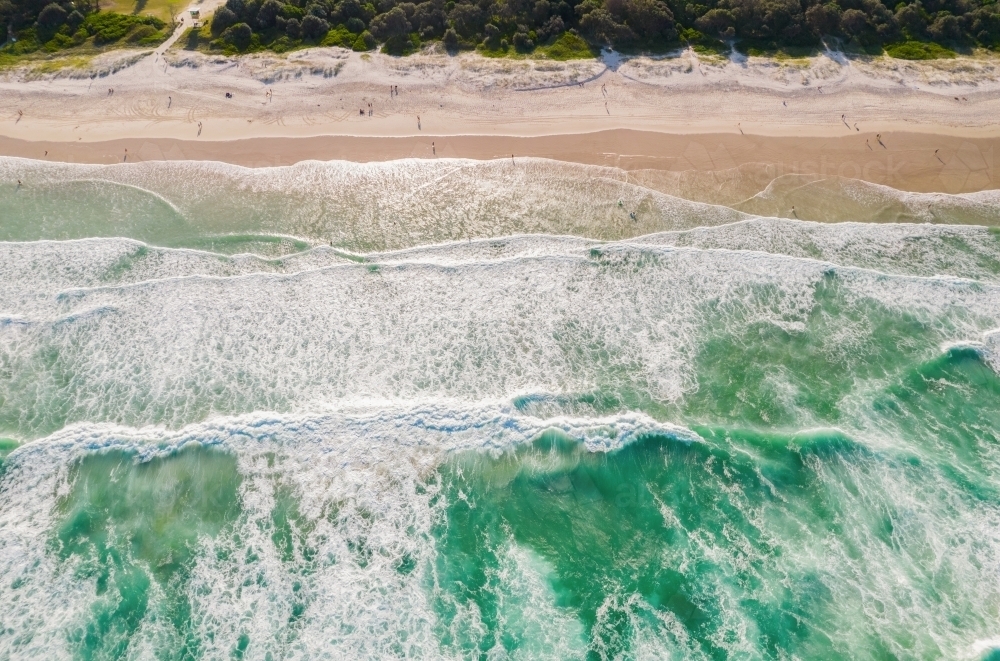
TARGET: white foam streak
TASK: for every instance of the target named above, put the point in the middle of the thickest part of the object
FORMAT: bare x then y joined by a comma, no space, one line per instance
354,476
174,349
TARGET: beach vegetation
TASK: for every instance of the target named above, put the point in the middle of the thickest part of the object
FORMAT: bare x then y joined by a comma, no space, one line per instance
569,28
569,47
916,50
57,27
558,29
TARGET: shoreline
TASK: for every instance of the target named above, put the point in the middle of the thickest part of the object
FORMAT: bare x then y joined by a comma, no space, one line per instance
906,162
939,121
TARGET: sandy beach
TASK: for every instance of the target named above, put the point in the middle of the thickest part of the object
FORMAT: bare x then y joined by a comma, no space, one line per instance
913,126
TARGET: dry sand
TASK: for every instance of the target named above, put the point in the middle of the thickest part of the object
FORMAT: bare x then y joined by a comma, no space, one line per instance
818,115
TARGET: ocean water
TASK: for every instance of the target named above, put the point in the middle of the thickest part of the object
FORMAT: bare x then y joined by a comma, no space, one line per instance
468,410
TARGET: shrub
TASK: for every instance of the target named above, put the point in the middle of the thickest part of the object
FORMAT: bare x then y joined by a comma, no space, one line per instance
451,39
946,28
522,42
223,19
719,22
365,41
51,17
569,47
58,42
139,33
339,36
392,24
238,36
108,27
282,44
915,50
268,13
314,27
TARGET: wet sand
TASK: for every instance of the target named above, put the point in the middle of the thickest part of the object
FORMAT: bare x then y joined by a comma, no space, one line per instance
906,162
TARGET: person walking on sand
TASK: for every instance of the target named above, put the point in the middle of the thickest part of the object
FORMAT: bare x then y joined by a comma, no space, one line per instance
418,123
433,149
867,144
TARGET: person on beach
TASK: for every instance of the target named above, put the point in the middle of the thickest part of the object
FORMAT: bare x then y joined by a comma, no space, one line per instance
434,150
418,123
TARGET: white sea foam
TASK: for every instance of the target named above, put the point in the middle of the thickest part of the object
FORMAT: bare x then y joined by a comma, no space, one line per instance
371,465
898,248
431,324
380,363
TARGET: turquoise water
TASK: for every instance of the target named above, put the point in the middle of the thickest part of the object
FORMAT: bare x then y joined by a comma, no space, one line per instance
489,422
